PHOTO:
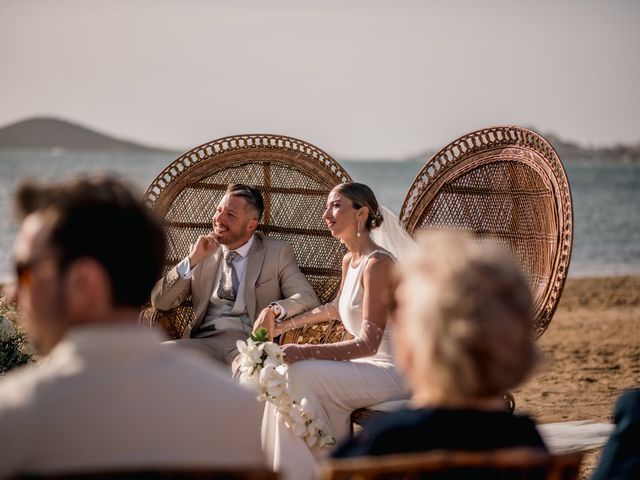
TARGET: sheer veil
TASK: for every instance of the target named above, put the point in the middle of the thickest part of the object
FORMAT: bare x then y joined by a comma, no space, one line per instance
390,235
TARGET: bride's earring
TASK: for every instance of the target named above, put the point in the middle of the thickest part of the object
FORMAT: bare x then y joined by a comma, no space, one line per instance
358,229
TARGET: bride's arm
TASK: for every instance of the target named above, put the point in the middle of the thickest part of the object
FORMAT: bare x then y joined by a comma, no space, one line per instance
328,311
377,294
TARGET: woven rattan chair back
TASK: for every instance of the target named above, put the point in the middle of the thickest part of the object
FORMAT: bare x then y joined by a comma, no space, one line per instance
507,184
294,177
509,463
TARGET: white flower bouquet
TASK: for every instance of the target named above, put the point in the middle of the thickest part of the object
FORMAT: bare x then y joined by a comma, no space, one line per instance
7,330
262,368
13,349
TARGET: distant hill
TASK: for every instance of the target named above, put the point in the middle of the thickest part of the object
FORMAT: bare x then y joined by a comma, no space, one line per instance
571,152
55,133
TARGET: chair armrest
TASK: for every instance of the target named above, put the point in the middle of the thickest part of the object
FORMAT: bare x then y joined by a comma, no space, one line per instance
172,322
324,332
152,317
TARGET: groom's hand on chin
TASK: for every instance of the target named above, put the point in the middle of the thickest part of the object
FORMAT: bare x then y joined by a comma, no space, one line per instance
202,248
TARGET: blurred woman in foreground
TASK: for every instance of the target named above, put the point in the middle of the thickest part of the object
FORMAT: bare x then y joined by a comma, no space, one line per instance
462,336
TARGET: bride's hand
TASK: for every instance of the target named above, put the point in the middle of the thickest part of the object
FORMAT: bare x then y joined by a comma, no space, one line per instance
292,353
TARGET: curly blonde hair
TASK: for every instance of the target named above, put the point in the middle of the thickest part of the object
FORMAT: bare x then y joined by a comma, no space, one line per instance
467,315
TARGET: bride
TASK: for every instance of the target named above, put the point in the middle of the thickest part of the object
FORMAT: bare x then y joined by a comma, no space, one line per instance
334,379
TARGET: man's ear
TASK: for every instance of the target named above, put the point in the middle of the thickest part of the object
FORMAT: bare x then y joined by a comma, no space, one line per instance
253,224
87,290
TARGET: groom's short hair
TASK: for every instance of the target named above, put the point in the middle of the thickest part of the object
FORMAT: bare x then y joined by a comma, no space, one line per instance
251,194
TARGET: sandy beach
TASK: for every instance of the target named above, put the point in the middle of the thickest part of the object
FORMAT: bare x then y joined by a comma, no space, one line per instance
591,354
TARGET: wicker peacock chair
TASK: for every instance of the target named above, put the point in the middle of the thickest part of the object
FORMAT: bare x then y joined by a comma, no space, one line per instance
294,177
507,184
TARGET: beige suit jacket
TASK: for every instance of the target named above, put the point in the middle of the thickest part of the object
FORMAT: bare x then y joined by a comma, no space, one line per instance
114,397
272,275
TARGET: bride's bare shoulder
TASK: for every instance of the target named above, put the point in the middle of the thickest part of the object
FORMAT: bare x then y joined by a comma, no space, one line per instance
383,255
380,263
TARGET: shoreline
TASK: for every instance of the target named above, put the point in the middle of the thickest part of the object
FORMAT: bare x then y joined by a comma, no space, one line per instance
574,284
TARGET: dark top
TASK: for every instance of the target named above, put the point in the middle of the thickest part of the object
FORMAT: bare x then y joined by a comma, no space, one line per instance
408,431
620,459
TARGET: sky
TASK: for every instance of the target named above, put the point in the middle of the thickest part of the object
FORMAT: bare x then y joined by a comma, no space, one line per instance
359,79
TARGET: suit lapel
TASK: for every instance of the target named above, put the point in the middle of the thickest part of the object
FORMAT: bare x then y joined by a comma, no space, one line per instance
254,266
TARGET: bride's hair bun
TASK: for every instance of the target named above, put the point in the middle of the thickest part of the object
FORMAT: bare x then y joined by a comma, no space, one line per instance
376,219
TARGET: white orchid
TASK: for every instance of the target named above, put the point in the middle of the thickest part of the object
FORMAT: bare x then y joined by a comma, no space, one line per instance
283,403
327,441
250,380
274,352
250,350
304,406
296,414
245,364
319,425
273,361
311,440
297,423
272,381
262,368
312,429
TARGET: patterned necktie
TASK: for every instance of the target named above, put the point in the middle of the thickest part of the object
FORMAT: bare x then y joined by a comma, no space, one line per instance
228,286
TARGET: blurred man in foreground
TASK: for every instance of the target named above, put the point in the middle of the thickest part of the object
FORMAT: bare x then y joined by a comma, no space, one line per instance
106,395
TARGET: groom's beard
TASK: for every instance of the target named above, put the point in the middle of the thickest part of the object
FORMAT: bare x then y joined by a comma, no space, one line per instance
232,236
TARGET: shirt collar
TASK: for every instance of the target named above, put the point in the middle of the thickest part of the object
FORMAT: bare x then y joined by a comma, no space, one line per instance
243,251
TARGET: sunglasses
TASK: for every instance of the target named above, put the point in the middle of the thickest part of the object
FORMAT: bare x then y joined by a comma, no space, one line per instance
24,270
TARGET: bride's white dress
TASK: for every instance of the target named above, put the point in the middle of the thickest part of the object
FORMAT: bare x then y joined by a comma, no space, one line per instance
333,389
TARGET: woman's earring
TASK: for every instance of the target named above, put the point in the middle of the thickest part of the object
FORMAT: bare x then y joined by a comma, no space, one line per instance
358,229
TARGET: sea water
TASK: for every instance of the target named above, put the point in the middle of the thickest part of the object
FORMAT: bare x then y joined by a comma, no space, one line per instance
606,198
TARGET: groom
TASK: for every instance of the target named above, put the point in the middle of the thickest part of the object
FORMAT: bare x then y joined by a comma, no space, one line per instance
235,276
